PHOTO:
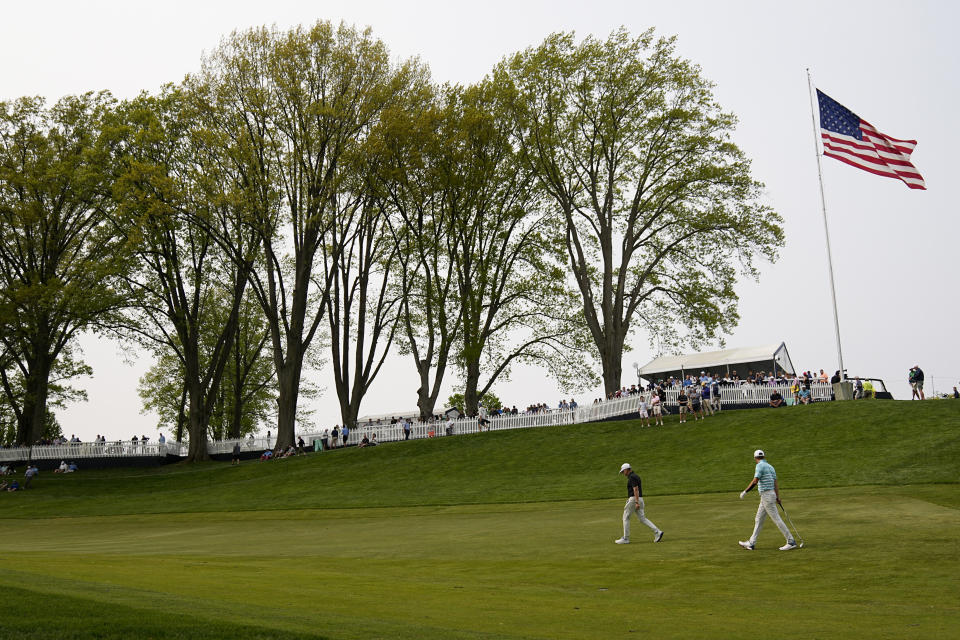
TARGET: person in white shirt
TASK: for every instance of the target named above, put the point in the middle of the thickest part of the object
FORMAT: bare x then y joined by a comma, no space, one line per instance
642,410
656,408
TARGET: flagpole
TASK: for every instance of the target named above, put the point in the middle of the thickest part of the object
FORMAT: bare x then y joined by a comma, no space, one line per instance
826,229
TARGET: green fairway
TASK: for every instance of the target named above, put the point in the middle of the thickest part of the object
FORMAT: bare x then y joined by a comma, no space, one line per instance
509,535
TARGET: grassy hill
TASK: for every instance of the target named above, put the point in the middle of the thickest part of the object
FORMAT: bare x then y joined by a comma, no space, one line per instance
508,535
820,445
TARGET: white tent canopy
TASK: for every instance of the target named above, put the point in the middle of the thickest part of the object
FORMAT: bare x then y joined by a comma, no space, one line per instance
721,363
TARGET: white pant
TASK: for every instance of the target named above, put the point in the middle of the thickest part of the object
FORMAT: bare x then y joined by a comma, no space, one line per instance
768,507
629,509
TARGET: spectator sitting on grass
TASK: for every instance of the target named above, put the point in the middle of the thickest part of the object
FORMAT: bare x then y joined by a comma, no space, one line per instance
365,442
291,451
62,468
13,486
266,455
72,467
776,400
805,396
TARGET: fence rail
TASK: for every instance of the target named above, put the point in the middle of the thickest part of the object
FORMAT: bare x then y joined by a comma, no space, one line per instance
729,395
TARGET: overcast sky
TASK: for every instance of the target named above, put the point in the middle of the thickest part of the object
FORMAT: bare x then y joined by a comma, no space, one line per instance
893,63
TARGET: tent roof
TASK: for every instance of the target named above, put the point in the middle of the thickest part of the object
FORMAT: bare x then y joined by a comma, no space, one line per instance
713,359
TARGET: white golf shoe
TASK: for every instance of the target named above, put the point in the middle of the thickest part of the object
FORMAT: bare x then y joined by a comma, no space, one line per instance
622,541
658,537
788,546
746,545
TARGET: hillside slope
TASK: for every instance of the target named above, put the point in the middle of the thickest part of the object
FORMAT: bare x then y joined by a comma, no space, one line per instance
822,445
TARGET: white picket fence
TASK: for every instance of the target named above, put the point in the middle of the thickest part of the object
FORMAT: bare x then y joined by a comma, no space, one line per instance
746,394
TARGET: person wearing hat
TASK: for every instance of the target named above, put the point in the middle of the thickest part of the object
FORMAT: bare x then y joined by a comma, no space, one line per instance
765,479
916,383
634,505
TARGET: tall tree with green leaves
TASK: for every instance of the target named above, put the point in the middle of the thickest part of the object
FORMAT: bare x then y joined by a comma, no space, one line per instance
171,190
507,263
58,260
297,107
419,180
659,205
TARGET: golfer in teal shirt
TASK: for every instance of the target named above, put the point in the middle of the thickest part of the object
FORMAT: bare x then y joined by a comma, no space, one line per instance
765,478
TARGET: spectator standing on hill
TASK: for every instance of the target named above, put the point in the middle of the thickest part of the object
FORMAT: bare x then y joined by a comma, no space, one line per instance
406,429
236,453
642,410
635,505
334,436
29,474
715,395
695,404
916,383
344,434
765,479
857,388
705,399
682,402
656,406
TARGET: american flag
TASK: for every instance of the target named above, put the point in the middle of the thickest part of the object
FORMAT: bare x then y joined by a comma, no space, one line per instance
851,139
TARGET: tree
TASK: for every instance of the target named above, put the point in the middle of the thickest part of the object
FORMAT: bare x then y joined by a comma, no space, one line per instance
246,398
248,391
419,180
58,260
67,367
659,205
170,194
297,107
361,306
489,401
507,266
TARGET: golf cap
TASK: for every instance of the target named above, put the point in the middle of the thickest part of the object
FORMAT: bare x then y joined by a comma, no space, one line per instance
624,467
758,453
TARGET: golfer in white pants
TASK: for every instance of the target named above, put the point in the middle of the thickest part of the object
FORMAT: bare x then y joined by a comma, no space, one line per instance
634,505
765,478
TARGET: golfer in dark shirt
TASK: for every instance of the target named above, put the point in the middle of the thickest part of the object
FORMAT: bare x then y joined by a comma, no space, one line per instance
634,505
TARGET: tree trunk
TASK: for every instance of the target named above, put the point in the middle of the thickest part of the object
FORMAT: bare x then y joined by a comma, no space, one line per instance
197,424
611,357
471,400
288,389
182,414
425,401
30,425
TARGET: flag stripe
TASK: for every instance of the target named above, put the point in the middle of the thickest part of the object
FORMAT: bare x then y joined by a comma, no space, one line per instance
875,165
891,155
850,139
910,182
873,157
